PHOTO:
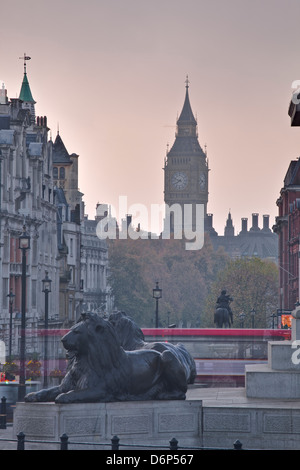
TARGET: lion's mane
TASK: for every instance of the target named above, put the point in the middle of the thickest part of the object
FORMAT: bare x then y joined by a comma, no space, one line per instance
129,334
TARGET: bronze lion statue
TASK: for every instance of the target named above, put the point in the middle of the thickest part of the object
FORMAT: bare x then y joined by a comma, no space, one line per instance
100,370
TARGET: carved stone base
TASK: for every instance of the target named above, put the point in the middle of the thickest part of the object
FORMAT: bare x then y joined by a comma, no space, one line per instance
280,378
140,423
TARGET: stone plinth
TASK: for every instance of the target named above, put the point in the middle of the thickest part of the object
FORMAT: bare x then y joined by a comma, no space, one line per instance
280,378
258,423
282,358
264,382
148,422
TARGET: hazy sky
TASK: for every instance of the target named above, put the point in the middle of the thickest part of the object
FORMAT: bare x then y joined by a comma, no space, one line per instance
112,74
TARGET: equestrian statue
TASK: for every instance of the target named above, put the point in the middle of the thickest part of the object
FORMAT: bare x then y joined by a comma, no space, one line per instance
223,314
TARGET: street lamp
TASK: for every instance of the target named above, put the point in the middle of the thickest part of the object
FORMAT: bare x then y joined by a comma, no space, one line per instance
157,294
24,245
252,313
242,318
273,316
11,301
46,289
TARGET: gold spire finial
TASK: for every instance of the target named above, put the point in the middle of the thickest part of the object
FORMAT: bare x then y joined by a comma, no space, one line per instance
187,81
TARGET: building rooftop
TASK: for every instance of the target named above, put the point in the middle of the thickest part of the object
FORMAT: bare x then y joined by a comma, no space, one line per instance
25,93
60,153
187,115
260,242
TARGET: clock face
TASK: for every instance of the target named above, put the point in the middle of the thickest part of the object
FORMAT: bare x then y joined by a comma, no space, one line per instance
179,180
202,181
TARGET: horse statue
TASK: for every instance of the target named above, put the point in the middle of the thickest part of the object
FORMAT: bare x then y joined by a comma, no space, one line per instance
223,314
222,318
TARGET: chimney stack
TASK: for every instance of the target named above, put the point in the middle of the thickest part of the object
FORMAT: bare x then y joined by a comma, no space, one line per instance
244,225
266,227
209,219
254,223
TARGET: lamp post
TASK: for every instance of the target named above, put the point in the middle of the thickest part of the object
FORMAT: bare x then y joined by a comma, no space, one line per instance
11,301
157,294
273,316
46,289
253,312
24,245
242,318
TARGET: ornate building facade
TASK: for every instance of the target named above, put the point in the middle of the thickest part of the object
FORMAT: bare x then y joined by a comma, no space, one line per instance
69,219
287,225
39,191
94,272
83,257
27,200
288,229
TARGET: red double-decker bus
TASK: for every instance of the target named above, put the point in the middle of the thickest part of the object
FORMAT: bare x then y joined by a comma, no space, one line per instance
221,354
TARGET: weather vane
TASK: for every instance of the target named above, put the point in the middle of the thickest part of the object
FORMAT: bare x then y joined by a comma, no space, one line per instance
25,57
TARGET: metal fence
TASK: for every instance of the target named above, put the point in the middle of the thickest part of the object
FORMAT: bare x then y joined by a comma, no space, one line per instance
114,444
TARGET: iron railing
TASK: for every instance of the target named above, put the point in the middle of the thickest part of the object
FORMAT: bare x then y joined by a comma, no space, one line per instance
114,444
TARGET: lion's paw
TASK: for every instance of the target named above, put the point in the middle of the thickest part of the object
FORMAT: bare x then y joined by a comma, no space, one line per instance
63,398
31,397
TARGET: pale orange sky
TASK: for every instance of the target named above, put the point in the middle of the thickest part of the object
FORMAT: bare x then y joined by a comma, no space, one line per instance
112,74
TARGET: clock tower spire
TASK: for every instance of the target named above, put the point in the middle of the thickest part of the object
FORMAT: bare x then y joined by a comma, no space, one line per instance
186,167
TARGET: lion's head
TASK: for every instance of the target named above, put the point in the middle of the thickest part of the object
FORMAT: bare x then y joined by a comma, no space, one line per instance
94,341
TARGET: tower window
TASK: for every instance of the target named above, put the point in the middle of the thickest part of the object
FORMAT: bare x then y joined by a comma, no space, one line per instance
62,173
55,172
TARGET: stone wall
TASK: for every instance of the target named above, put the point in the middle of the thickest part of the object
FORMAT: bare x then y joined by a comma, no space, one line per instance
150,423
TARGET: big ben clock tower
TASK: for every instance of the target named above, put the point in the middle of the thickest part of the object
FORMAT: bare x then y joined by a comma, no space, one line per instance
186,168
